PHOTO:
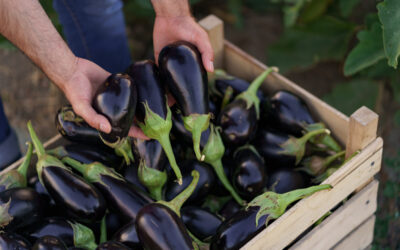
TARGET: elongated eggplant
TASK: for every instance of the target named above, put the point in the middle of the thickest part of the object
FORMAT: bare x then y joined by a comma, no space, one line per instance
112,245
113,224
285,179
121,197
81,200
200,222
153,114
127,235
205,184
17,177
239,118
158,224
116,100
20,207
11,241
245,224
249,176
183,71
49,242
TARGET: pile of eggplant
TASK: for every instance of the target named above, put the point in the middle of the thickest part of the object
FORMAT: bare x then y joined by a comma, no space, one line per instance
221,163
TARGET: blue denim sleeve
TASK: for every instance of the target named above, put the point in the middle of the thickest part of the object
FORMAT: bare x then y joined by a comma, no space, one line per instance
95,30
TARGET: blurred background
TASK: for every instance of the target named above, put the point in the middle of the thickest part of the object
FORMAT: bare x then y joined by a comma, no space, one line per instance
332,48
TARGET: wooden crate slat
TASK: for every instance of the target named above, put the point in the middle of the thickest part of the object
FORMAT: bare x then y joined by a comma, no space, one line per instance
361,238
307,211
343,221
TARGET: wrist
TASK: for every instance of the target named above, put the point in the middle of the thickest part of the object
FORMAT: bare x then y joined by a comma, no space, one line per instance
171,8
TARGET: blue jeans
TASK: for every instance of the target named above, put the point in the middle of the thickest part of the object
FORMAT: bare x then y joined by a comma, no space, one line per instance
9,147
95,30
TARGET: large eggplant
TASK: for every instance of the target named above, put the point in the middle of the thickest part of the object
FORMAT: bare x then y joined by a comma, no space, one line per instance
153,113
11,241
183,71
81,200
49,242
121,196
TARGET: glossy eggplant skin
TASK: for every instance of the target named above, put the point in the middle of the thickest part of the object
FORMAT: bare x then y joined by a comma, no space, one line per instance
200,222
49,242
11,241
112,245
130,173
158,227
238,123
206,182
284,180
122,197
249,176
182,70
229,209
80,199
116,100
289,113
113,224
53,226
152,152
127,235
26,207
76,131
268,143
238,230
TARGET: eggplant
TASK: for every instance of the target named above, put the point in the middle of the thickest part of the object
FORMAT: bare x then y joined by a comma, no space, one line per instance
205,184
151,171
200,222
112,245
20,207
121,196
245,224
116,100
182,70
316,165
17,177
238,119
113,224
284,180
229,208
81,200
249,176
153,113
127,235
49,242
130,173
159,226
11,241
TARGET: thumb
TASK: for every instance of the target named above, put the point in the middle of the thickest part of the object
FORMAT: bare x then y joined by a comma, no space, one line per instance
95,120
207,53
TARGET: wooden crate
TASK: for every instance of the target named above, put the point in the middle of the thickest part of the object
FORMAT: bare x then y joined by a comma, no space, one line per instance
350,226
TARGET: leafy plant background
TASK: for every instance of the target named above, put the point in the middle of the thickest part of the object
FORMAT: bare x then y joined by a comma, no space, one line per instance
344,51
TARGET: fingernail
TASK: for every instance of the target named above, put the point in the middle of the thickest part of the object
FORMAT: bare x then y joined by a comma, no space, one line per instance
211,66
103,127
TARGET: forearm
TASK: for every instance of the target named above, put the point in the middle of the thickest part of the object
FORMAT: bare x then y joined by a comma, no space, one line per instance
171,8
26,25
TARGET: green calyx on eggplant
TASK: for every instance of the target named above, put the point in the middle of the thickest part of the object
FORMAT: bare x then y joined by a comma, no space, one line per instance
316,165
83,236
324,139
159,225
153,179
81,200
17,177
182,69
153,113
214,151
116,100
238,119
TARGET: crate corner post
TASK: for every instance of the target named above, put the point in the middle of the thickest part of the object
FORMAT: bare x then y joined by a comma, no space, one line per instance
215,30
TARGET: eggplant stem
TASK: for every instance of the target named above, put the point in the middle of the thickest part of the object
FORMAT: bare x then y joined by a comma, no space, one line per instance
36,142
196,124
292,196
103,230
124,149
256,83
58,152
227,96
153,179
80,167
166,145
332,158
23,168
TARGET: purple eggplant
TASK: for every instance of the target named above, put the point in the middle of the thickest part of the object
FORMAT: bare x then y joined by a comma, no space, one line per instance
229,209
112,245
130,173
285,179
49,242
127,235
11,241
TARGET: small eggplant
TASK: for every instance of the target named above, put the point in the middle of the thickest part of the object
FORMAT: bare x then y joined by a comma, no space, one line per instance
17,177
153,113
127,235
112,245
121,197
245,224
81,200
238,119
200,222
11,241
159,226
229,209
151,170
249,176
20,207
205,184
283,180
182,69
49,242
316,165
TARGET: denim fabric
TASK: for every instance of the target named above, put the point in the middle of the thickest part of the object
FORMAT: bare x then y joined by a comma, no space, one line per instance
4,126
95,30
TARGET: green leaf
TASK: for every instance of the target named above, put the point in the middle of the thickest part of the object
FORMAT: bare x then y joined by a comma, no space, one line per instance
291,11
300,47
394,83
349,96
313,10
389,15
379,70
347,6
367,52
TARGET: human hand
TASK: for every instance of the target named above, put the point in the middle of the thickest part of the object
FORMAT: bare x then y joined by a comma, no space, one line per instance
169,29
80,90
